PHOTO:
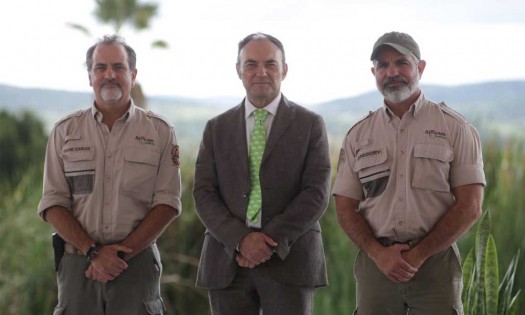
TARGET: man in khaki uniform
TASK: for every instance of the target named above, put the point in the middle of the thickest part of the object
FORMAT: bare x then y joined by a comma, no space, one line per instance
111,186
409,184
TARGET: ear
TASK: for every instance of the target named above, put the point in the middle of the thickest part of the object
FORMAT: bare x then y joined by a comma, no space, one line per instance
238,67
133,76
421,67
285,70
373,69
89,78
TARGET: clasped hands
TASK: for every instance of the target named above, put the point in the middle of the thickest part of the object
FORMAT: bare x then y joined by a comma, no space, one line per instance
398,262
254,249
106,265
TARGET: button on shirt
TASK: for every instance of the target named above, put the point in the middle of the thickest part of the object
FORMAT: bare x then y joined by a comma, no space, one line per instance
403,170
110,180
250,122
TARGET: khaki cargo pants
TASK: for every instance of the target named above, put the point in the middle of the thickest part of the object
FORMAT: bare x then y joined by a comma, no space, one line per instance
434,290
136,291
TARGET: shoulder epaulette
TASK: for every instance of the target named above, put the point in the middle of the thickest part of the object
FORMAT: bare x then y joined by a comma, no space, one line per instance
68,117
360,120
159,117
454,114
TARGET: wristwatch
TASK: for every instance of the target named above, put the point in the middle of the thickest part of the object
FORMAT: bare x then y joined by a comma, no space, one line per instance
92,252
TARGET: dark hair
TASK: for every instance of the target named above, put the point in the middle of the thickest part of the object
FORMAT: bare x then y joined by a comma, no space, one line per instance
259,36
112,40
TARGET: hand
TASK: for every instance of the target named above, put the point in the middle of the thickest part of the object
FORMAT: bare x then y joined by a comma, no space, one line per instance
411,256
392,264
256,247
243,261
106,265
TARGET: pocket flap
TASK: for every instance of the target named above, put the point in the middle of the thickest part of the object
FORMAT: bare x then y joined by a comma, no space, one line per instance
139,155
370,157
78,154
432,151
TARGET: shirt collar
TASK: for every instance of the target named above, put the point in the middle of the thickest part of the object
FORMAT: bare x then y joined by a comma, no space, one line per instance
97,115
271,108
415,109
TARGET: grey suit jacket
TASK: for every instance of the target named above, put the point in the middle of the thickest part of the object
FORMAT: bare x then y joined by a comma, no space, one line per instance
295,185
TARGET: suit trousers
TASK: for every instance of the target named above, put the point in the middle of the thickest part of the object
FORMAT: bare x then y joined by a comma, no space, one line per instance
255,291
136,291
434,290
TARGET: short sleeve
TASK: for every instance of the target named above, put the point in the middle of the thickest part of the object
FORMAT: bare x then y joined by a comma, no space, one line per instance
467,165
168,184
347,182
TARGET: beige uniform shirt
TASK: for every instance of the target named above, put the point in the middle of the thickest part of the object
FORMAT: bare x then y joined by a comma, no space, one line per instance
403,170
110,180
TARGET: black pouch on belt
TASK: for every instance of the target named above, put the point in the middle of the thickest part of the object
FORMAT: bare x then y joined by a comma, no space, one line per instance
58,247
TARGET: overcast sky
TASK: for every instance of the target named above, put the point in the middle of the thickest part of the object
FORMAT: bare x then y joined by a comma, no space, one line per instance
327,43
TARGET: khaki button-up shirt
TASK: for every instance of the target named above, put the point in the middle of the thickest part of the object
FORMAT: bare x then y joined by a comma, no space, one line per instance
110,180
403,170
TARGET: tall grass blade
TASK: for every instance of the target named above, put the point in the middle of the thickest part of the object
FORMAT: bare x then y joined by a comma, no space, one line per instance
491,277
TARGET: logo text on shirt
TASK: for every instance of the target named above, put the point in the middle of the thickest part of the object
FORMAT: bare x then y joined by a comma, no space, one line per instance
435,134
77,149
368,154
144,140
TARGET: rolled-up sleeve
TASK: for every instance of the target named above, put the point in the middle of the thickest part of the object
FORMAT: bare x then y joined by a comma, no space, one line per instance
467,165
56,191
168,184
347,182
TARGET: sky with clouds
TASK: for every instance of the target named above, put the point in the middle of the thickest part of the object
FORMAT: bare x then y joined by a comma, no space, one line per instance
327,43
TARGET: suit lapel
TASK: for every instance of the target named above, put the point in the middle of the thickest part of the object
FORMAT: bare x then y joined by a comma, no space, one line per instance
283,118
238,137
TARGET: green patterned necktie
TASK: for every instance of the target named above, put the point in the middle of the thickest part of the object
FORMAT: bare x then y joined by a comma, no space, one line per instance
257,144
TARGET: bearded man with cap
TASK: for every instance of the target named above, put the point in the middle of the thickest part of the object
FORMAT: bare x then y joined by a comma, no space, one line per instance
409,183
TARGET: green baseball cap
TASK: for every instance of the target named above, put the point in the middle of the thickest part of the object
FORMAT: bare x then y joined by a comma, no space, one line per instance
401,42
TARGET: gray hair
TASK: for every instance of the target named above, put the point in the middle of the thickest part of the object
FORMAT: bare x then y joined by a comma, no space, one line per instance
259,36
112,40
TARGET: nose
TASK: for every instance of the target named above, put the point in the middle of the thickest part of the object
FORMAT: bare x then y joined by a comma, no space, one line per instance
261,71
109,73
392,71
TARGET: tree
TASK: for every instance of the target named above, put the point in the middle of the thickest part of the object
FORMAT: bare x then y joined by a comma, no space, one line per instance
22,146
118,13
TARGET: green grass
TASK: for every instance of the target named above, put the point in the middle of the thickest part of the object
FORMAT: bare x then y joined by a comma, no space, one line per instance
27,278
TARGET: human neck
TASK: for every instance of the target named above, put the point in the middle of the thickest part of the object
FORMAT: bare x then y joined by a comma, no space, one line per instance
400,108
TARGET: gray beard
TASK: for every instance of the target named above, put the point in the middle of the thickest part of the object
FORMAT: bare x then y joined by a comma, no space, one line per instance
111,94
398,94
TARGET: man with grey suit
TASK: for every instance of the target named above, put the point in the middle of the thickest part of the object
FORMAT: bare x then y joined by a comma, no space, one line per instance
262,182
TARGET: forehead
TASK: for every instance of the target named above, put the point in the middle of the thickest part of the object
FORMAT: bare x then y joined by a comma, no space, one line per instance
111,53
260,49
389,53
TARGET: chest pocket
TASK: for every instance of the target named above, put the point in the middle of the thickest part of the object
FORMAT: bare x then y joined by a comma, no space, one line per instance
79,169
373,170
432,167
140,172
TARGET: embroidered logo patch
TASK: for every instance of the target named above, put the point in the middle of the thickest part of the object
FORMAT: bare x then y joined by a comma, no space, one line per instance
435,134
175,155
77,149
144,140
368,154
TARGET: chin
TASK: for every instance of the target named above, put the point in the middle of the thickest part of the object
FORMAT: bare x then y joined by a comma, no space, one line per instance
111,96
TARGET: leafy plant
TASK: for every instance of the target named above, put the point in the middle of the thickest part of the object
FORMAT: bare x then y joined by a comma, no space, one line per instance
483,294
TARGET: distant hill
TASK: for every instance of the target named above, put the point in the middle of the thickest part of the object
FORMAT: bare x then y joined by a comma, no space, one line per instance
490,106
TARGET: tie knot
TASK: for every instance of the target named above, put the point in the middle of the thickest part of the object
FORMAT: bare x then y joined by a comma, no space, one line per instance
260,114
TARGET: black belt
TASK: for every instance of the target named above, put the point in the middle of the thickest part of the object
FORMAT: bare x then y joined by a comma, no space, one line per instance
386,242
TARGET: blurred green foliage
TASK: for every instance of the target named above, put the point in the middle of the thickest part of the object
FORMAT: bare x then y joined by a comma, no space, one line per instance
27,277
483,293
